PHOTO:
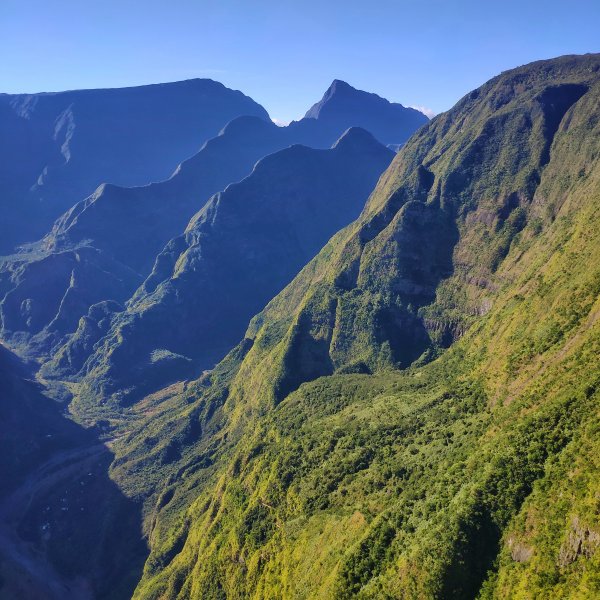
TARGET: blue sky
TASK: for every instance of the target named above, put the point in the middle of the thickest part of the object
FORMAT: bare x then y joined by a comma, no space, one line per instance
285,53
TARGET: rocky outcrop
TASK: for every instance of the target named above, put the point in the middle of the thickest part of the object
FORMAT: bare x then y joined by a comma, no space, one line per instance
581,541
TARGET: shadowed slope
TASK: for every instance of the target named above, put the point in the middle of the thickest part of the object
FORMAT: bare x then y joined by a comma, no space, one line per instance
66,531
56,148
237,252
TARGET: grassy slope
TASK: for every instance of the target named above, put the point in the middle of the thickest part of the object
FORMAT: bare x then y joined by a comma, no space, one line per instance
470,475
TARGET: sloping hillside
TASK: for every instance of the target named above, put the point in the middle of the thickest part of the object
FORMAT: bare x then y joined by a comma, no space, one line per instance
307,464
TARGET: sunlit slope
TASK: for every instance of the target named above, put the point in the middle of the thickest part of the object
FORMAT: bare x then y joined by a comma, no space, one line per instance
474,475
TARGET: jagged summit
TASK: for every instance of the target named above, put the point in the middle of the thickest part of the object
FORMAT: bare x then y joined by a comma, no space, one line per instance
339,90
389,122
339,86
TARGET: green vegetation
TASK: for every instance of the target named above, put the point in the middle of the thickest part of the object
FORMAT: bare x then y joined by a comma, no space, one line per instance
352,446
416,415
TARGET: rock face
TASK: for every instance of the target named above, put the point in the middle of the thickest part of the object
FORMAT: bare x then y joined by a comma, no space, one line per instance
236,253
519,551
56,148
581,542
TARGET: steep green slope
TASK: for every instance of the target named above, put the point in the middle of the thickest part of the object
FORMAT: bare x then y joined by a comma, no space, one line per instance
433,482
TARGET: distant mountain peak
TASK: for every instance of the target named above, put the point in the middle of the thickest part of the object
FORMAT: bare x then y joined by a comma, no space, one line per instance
340,92
356,137
339,85
389,122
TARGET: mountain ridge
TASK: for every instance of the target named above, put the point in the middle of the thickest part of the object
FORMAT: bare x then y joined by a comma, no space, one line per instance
142,86
279,215
127,227
418,482
58,147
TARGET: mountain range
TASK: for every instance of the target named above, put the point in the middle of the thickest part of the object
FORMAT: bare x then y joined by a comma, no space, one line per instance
237,252
104,247
57,148
305,366
329,456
